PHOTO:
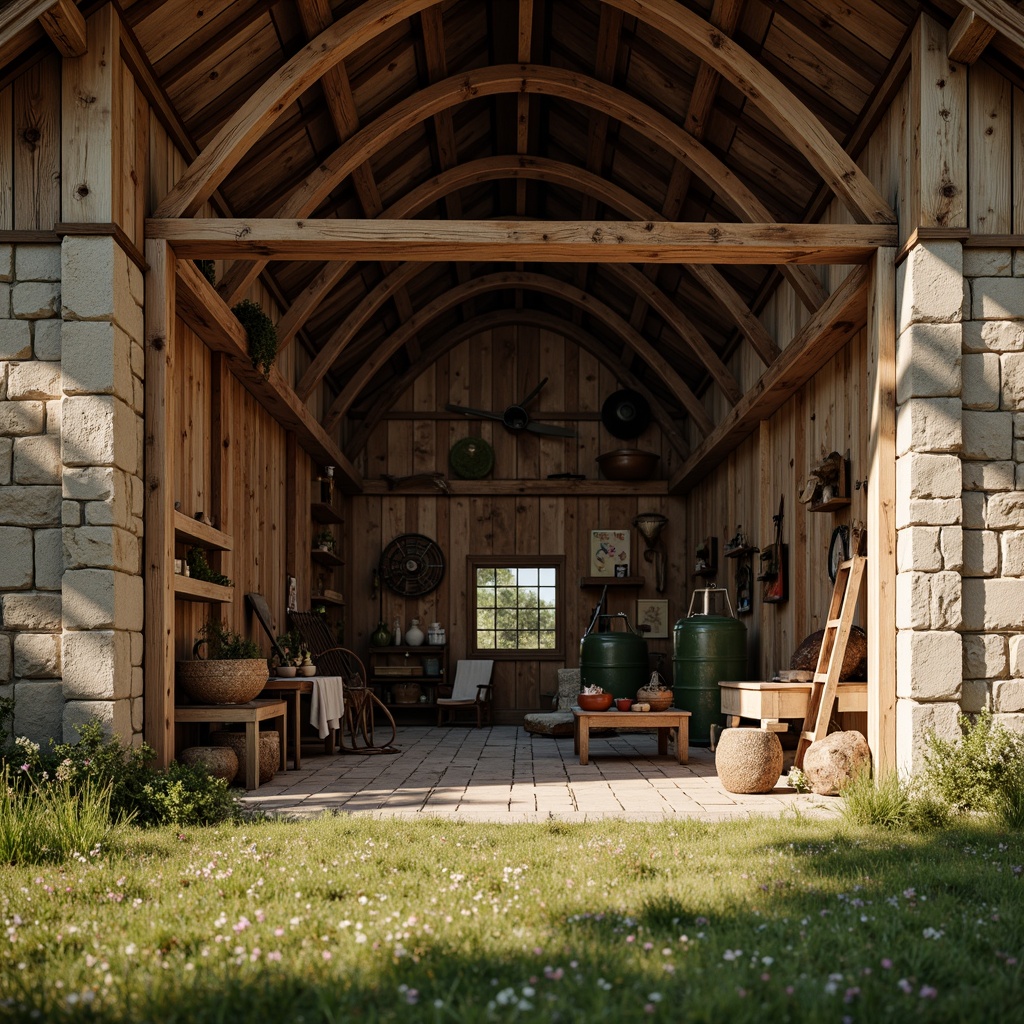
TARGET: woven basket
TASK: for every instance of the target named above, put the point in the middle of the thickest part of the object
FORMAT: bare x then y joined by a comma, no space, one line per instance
220,762
223,682
660,700
270,752
405,693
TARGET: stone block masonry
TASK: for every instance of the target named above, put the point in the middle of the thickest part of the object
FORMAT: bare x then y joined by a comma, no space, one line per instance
71,427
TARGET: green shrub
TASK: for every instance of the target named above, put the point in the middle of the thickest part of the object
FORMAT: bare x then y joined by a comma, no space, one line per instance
6,721
1008,802
968,773
891,804
208,270
186,795
223,644
260,331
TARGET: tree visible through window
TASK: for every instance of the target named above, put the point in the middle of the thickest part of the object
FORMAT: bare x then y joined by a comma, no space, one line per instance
515,606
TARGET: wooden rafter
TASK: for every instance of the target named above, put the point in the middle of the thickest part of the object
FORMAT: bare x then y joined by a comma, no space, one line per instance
1005,19
64,24
504,318
531,282
541,169
346,35
968,37
23,22
824,334
317,186
540,241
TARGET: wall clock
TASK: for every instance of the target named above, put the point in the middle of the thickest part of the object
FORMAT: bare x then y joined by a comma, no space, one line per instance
838,550
412,565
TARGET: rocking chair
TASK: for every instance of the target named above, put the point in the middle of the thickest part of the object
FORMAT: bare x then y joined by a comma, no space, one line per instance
361,703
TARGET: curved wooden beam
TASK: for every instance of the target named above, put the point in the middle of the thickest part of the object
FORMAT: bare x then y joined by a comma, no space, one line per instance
330,172
505,318
538,169
371,18
530,282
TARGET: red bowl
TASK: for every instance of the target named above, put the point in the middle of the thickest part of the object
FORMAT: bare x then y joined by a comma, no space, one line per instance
595,701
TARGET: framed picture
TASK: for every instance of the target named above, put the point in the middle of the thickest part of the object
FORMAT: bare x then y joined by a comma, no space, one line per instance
653,614
609,552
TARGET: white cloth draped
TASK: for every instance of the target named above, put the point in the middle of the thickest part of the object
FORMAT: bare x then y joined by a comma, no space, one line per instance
326,704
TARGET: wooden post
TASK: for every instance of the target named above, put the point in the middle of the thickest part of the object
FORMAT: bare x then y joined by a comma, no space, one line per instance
222,461
881,358
158,659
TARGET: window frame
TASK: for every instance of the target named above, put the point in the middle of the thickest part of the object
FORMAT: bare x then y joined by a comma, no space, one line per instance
557,562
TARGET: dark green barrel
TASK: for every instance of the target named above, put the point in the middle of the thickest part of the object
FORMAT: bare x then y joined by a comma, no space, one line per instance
617,662
707,649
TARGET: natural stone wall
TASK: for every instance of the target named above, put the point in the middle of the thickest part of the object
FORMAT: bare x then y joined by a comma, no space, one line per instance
71,449
31,560
993,482
930,546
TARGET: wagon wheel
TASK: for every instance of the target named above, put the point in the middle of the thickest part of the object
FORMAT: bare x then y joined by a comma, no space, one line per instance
412,565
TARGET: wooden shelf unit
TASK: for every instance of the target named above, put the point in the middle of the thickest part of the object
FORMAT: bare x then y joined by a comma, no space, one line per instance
189,589
195,533
330,597
413,659
328,558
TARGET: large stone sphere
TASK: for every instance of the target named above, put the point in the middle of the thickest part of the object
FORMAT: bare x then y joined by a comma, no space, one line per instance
832,762
748,760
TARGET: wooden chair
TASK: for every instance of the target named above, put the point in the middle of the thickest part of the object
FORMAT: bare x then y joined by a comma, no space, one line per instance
361,703
471,689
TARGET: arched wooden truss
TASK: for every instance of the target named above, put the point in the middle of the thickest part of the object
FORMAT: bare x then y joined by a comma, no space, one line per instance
531,282
505,318
370,19
307,196
555,172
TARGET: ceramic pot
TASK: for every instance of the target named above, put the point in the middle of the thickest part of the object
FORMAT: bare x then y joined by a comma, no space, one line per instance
381,636
414,635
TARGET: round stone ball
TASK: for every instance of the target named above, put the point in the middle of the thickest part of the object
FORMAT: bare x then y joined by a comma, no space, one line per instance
748,760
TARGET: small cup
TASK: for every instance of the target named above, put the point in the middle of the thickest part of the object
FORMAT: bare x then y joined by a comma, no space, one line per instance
623,703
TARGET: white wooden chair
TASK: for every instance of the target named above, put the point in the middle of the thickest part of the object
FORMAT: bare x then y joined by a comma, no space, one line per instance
471,689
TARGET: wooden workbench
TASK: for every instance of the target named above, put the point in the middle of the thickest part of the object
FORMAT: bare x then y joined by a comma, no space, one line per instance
770,702
663,721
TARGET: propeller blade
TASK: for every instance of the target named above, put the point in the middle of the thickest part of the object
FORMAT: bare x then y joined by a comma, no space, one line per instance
550,429
466,411
533,394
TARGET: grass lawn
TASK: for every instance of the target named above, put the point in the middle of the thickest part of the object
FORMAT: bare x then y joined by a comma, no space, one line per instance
345,919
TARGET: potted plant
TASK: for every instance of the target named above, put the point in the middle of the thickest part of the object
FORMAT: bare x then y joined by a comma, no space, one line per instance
226,668
324,540
294,651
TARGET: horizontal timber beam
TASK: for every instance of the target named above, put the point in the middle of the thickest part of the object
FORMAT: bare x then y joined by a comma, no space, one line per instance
824,334
537,488
206,313
538,241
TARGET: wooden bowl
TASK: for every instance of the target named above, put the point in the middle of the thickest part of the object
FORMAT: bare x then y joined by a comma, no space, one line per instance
595,701
628,464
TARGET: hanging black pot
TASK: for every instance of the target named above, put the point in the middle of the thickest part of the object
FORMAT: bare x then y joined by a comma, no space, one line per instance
626,414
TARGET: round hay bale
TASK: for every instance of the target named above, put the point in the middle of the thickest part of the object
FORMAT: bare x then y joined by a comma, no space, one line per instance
748,760
220,762
855,661
832,762
270,752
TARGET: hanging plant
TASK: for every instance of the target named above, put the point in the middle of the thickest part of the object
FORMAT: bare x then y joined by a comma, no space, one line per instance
206,268
260,331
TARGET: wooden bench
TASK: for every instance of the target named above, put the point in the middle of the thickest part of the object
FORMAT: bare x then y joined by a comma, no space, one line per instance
251,714
770,702
663,721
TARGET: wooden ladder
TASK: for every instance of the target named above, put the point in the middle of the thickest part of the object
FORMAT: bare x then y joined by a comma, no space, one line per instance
841,610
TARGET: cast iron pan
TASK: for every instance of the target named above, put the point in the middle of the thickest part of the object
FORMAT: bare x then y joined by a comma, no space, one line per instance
625,414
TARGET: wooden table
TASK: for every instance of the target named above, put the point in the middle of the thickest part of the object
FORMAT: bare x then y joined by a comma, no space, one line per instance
769,702
295,687
663,721
252,714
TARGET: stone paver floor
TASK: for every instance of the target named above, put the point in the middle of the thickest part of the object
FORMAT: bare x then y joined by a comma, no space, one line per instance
505,774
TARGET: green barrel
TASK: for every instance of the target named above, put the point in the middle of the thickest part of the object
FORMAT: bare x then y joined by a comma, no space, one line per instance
617,662
707,649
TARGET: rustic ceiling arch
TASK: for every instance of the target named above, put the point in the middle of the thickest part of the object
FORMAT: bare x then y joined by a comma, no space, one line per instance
506,318
527,281
371,303
367,21
540,169
330,172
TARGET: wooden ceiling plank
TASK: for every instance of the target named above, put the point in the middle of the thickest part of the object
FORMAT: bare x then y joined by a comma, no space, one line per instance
504,318
65,25
523,100
968,37
533,282
821,337
309,193
540,241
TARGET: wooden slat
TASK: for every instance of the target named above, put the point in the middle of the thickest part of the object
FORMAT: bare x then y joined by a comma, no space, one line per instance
64,24
159,475
820,338
549,241
205,312
197,532
968,37
881,515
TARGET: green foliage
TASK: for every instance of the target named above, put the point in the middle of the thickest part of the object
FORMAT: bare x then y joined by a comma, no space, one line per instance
6,722
208,270
294,647
969,773
55,819
261,332
185,795
324,539
199,568
1008,802
223,644
892,804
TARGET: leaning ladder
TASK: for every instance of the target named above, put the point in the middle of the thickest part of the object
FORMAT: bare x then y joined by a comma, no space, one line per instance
841,610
